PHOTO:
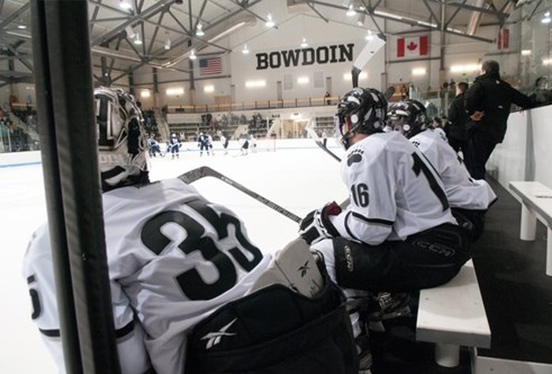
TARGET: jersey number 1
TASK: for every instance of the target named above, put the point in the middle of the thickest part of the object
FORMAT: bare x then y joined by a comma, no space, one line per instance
421,166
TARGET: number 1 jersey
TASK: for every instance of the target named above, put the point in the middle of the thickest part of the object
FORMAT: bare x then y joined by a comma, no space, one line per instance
394,191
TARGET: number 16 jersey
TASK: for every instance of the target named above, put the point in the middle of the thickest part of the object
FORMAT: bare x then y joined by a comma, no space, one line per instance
394,191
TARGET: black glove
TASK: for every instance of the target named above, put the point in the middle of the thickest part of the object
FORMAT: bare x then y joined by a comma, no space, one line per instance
317,226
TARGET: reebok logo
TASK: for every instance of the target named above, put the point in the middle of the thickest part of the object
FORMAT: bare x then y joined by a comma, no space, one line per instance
354,156
304,269
214,338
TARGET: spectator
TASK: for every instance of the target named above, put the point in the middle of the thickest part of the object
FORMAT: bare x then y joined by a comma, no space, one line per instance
457,132
541,94
398,233
174,261
488,103
327,98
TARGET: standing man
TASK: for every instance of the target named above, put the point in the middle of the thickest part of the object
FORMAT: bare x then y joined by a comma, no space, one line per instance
457,134
488,103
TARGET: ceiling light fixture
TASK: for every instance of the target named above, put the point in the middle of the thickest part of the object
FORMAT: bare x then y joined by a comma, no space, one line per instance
199,30
193,55
137,39
245,51
546,18
361,19
369,36
269,21
351,12
168,44
125,4
304,43
21,27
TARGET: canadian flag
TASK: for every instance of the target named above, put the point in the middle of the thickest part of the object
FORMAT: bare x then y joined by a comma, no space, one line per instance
503,39
413,46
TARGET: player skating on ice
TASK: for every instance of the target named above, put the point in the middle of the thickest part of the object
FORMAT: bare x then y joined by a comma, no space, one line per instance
469,198
203,143
154,147
174,146
224,142
398,233
175,261
210,144
244,145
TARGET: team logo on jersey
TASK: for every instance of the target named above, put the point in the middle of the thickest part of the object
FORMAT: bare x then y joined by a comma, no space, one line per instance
304,269
354,156
416,143
214,338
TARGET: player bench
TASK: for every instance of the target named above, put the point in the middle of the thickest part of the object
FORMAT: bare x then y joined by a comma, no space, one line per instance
453,315
536,202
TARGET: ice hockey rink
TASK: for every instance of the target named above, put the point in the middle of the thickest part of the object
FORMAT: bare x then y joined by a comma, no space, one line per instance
297,176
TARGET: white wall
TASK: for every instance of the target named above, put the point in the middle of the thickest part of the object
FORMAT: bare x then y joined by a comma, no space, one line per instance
525,153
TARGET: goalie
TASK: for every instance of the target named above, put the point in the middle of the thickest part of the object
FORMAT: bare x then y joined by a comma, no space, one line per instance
177,262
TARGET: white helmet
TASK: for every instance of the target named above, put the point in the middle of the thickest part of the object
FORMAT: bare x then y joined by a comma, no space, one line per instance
121,139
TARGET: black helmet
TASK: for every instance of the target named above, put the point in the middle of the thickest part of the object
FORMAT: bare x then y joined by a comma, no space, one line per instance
408,116
366,109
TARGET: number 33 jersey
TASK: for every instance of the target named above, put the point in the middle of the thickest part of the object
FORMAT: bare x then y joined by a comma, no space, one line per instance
394,191
175,258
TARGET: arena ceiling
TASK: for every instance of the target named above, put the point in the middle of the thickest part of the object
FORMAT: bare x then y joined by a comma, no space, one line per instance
168,29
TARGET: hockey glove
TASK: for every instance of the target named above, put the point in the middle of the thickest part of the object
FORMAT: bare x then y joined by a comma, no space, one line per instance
317,226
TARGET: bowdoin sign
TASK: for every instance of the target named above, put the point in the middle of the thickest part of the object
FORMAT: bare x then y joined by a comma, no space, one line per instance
305,56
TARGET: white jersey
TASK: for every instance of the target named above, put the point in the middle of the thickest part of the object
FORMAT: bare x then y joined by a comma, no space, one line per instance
462,191
173,258
394,191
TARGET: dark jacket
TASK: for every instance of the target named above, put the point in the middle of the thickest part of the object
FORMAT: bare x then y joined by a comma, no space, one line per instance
493,96
458,118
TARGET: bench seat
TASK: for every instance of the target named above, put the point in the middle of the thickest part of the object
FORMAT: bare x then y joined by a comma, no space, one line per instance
536,202
453,315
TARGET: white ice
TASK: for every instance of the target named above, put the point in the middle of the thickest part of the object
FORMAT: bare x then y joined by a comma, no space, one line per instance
298,176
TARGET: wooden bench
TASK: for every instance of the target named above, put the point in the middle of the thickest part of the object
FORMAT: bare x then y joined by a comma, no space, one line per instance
536,202
453,315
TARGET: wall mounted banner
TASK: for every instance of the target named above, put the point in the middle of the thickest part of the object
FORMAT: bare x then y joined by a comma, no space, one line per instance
305,56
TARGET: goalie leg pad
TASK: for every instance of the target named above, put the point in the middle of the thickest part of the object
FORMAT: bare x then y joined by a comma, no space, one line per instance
277,331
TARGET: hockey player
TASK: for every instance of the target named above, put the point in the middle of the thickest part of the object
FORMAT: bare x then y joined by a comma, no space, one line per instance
153,146
174,145
203,143
244,145
210,143
468,198
175,260
398,233
224,142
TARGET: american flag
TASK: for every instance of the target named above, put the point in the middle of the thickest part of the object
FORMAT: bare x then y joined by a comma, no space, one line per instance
210,66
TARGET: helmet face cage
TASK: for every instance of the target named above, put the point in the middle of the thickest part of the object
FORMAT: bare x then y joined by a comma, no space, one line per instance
364,109
121,140
408,117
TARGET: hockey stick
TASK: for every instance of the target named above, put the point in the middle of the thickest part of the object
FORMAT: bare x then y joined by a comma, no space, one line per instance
366,55
205,171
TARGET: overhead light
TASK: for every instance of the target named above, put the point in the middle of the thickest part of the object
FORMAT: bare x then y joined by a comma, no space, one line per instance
227,32
22,27
546,18
465,68
303,80
389,15
209,88
269,22
369,36
361,19
547,61
351,12
347,76
130,32
168,44
199,31
125,4
304,43
245,51
145,94
526,52
137,39
174,91
193,56
418,71
255,84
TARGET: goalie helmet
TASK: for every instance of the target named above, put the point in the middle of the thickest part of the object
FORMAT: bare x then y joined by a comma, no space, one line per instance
408,117
121,139
363,110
